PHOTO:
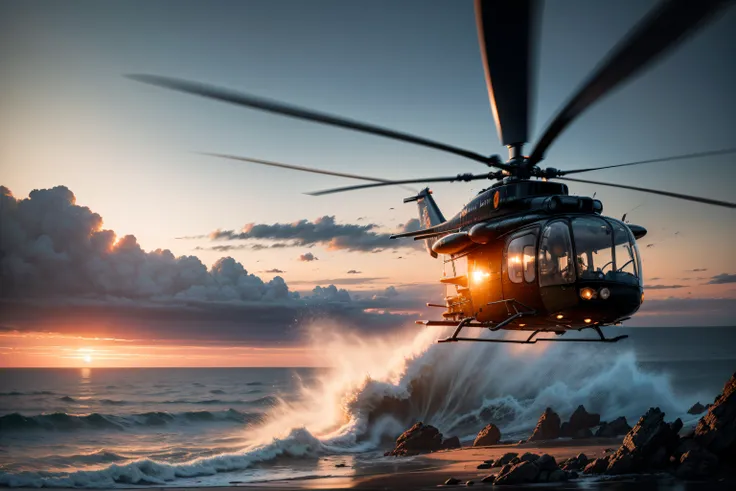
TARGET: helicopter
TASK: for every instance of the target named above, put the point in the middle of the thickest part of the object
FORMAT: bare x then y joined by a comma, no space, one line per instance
539,260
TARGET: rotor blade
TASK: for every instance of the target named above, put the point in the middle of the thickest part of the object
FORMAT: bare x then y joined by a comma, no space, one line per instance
272,106
707,201
296,167
504,33
651,161
459,177
660,30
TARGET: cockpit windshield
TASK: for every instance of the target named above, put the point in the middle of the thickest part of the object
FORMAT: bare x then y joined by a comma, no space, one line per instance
605,251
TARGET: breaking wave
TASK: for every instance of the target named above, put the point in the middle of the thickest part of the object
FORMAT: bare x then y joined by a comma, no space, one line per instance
379,387
97,421
298,443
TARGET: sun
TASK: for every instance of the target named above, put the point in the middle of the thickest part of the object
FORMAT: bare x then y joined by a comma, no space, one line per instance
87,358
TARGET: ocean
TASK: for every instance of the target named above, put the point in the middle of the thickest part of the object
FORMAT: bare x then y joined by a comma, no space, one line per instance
106,427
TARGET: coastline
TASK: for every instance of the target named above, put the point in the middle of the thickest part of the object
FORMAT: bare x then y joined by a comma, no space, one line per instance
429,471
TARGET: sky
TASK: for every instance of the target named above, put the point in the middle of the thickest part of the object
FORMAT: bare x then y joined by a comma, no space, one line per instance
126,156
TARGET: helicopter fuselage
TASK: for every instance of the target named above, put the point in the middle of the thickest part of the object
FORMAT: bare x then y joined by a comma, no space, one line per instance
531,251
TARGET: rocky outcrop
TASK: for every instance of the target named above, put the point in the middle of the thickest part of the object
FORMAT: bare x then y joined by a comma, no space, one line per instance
418,439
548,426
647,446
697,408
505,459
451,443
716,431
576,463
617,427
697,464
490,435
597,466
581,421
531,468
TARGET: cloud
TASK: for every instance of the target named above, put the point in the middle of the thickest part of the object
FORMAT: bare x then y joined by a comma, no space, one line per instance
323,231
663,287
353,271
699,270
339,281
723,278
61,270
274,270
308,257
655,278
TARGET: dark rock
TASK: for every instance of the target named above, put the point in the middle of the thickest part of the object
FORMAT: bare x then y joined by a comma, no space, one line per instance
648,445
697,464
546,463
528,457
484,465
580,420
469,483
617,427
515,460
583,433
489,461
597,466
452,481
523,472
420,438
557,475
697,408
543,476
716,431
490,435
489,478
576,463
572,475
450,443
505,469
506,458
548,426
340,465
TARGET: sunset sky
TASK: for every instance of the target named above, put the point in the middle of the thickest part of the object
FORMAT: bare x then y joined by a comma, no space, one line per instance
127,152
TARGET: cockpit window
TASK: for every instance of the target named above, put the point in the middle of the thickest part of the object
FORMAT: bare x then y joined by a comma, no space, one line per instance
555,255
520,258
626,253
594,248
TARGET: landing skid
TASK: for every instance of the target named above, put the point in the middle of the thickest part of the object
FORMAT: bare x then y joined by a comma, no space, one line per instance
530,340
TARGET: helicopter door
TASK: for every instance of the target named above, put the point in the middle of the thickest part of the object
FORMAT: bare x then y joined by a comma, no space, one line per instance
519,268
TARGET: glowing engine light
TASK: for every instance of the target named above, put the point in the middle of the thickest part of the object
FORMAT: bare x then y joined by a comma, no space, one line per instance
588,321
605,293
560,316
587,293
479,276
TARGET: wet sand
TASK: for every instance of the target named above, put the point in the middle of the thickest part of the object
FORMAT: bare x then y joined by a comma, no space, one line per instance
430,471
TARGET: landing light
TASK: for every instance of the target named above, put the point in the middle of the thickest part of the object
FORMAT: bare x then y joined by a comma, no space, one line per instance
479,276
588,321
587,293
560,316
605,293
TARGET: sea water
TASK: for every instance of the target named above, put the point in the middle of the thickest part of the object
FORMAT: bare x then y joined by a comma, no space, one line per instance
104,427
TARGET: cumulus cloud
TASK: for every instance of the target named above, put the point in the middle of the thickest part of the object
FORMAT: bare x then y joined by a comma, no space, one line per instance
60,267
323,231
51,246
722,279
308,257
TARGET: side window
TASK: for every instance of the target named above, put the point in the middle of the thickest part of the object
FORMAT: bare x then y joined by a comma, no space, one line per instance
520,259
555,255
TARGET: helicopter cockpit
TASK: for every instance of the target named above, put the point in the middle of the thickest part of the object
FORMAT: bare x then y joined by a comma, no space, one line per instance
588,248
